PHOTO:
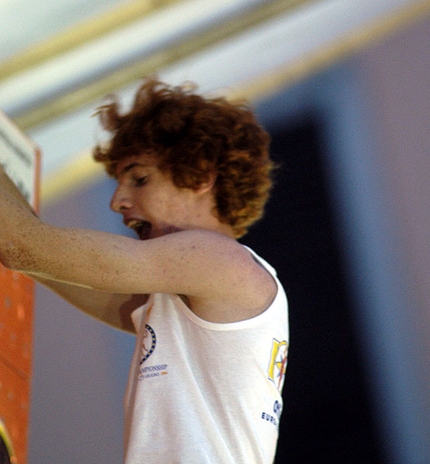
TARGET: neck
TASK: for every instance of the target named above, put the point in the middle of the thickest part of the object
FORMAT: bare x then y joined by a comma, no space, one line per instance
215,225
205,216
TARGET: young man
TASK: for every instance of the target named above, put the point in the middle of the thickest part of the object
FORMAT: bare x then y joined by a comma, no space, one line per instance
210,316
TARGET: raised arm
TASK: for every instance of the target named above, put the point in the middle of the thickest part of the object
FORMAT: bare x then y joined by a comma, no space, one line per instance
214,272
113,309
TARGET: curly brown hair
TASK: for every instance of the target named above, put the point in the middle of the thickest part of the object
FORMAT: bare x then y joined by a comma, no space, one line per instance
194,137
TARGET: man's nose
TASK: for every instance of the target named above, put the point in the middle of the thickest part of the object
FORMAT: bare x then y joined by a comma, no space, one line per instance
120,200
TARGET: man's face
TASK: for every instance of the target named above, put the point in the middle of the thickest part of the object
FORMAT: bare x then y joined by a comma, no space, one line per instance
149,201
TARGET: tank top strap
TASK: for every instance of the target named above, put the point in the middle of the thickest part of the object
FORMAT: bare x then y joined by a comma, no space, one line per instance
262,261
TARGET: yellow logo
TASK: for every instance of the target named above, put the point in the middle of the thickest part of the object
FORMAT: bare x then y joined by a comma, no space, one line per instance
278,363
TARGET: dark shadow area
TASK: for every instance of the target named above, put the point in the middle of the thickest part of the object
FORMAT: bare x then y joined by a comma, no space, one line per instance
327,416
4,453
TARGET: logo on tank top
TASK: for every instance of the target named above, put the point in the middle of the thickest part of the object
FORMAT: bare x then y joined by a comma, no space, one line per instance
149,343
278,363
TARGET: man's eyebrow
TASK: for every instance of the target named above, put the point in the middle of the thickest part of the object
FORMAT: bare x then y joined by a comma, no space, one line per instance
131,166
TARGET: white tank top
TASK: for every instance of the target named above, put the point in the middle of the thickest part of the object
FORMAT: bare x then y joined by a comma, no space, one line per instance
202,392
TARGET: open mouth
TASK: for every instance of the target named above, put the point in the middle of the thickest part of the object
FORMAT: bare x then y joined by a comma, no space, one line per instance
142,228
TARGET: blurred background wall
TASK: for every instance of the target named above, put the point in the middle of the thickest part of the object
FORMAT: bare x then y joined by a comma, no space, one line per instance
373,109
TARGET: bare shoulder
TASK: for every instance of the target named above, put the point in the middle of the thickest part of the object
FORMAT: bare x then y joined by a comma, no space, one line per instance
239,286
215,252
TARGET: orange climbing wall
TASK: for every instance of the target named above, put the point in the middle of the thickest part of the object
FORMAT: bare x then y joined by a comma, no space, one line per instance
21,159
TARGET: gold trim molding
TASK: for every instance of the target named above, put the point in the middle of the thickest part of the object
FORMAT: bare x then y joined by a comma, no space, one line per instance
151,65
80,34
353,42
83,170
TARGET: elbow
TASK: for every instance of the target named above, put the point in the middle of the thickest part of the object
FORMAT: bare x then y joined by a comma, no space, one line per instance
13,258
8,263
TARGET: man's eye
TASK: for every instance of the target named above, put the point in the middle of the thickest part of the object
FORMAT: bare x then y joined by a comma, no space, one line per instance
139,181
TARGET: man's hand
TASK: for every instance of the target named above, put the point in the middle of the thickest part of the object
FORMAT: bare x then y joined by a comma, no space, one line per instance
8,186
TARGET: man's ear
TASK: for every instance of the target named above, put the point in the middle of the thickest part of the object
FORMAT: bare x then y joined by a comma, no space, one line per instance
207,185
